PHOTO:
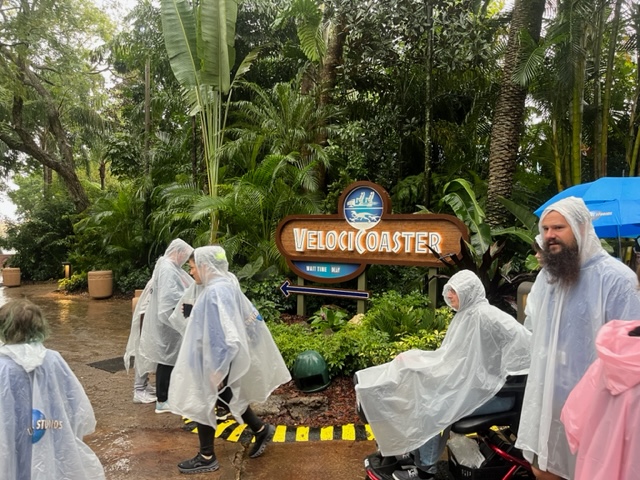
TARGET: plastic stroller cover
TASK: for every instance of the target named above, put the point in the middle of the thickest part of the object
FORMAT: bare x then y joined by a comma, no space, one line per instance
46,415
565,321
419,393
159,341
602,414
226,338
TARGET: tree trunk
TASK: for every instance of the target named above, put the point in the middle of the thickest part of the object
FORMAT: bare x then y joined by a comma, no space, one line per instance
147,114
557,156
195,140
577,109
21,139
633,143
328,77
428,110
332,60
509,113
606,100
597,91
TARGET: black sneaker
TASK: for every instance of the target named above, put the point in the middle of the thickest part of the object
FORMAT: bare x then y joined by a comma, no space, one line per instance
412,474
222,414
189,425
381,465
261,439
405,460
199,464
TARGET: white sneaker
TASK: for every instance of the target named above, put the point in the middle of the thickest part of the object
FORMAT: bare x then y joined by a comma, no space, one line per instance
163,407
143,397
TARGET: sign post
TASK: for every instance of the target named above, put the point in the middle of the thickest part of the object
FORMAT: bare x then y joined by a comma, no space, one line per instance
338,247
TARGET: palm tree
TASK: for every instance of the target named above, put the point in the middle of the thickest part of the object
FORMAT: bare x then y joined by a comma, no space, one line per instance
284,122
509,114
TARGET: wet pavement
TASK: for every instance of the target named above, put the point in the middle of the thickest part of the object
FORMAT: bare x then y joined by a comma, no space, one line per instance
131,440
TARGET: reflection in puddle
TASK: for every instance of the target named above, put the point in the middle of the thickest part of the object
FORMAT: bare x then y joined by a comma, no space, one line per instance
64,310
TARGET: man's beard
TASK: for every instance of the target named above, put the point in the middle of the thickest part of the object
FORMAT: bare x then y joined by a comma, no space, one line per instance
563,266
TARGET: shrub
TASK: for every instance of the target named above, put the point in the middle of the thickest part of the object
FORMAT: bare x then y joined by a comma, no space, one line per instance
42,241
352,348
329,317
266,296
132,280
77,282
423,340
400,315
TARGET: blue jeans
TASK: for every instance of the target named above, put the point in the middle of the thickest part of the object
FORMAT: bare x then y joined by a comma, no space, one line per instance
430,452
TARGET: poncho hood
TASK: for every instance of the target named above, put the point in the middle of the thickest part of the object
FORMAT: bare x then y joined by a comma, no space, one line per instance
577,215
212,264
178,252
620,355
469,289
28,355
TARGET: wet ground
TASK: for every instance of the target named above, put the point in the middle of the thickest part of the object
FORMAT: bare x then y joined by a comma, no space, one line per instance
132,441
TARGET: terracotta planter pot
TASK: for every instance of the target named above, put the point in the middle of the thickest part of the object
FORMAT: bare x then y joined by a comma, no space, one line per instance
100,283
11,277
134,300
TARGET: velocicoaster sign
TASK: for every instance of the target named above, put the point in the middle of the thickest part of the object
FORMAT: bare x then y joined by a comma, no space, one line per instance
335,248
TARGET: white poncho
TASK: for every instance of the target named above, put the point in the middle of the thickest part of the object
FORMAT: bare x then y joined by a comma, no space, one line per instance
46,415
159,340
565,321
225,338
419,393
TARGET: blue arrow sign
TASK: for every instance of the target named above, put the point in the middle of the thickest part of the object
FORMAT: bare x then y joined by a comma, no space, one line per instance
287,288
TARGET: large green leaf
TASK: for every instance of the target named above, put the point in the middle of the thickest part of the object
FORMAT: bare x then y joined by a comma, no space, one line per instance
217,31
528,219
179,29
465,192
527,236
462,200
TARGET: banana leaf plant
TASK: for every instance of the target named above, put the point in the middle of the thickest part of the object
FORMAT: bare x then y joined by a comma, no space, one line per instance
200,38
484,253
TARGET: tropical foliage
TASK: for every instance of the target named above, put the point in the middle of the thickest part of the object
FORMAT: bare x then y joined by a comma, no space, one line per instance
213,120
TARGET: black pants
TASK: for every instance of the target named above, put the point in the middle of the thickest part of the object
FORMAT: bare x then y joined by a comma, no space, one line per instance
206,433
163,376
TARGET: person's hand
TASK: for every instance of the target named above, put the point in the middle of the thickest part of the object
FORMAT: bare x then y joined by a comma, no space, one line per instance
186,309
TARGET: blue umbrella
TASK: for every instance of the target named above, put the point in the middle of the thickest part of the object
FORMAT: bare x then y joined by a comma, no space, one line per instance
614,203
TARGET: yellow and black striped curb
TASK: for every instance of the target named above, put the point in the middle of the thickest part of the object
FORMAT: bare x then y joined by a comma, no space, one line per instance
232,431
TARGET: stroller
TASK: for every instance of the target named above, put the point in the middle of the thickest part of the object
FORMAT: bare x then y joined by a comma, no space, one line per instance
495,435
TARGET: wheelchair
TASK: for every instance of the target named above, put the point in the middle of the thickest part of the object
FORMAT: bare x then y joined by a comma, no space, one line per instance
496,435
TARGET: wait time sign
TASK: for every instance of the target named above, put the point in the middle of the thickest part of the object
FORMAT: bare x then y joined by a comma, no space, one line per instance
335,248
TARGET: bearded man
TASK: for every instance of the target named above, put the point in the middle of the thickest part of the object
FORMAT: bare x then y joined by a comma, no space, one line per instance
580,288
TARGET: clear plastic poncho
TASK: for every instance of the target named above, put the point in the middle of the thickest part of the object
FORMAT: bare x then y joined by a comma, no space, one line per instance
565,321
225,340
47,414
177,320
159,341
419,393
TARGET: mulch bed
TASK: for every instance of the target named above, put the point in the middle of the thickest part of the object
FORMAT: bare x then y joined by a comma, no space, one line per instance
340,397
341,400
